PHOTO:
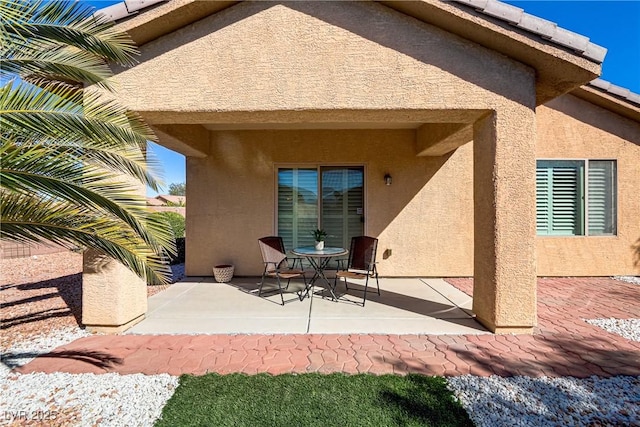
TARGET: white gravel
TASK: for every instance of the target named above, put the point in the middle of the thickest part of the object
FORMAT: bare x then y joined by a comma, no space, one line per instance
521,401
627,328
87,399
629,279
77,399
24,352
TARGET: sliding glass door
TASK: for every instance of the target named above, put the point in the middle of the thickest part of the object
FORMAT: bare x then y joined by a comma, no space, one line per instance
328,197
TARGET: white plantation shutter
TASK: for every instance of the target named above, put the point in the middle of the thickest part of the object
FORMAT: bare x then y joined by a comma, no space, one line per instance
601,197
559,197
342,204
333,205
355,198
297,206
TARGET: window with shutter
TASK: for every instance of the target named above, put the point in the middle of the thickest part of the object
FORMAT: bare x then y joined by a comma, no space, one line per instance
342,204
561,189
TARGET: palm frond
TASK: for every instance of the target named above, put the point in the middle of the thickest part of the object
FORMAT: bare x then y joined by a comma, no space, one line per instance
26,218
64,113
103,134
34,170
57,62
69,23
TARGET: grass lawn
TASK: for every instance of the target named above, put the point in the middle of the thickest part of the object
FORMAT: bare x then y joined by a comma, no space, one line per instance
313,400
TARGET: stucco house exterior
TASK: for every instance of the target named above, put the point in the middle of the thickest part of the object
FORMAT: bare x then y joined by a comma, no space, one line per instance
508,158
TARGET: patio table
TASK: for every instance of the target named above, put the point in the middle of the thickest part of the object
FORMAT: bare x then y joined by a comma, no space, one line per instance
319,259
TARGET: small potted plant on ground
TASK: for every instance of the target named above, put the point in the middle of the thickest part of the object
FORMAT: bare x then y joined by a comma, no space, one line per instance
319,235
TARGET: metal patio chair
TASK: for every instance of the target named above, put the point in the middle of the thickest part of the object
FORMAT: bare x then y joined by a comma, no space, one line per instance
276,266
361,263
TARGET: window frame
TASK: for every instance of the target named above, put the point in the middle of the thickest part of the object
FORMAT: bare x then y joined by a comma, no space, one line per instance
318,166
584,190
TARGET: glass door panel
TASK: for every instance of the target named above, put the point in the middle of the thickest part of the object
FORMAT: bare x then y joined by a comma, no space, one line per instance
297,206
342,204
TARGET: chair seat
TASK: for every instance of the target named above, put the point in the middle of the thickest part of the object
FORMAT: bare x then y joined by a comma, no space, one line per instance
351,274
287,274
276,266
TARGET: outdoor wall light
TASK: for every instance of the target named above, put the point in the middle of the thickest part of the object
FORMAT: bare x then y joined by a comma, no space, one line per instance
387,179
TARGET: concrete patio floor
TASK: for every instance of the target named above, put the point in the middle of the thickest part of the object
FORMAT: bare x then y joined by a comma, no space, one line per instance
405,306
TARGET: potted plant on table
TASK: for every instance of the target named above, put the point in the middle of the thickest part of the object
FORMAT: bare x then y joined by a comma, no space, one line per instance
319,235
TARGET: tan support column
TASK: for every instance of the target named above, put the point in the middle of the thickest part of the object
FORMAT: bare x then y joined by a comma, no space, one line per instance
504,294
113,297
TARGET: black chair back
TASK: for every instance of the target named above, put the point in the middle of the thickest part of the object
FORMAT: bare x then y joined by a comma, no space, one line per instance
362,255
273,252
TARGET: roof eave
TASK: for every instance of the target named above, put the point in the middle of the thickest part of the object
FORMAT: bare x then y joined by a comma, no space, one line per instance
167,17
609,101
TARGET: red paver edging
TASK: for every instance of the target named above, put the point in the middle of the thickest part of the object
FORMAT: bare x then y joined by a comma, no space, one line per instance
563,345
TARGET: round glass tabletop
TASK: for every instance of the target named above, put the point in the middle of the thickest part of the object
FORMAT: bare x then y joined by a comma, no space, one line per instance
312,251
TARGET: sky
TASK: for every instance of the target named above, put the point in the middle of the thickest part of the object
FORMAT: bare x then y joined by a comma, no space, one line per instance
614,25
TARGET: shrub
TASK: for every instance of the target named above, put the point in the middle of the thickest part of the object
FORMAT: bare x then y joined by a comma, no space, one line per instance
177,224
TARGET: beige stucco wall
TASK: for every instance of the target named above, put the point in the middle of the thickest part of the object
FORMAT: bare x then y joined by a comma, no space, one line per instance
571,128
268,62
425,217
113,297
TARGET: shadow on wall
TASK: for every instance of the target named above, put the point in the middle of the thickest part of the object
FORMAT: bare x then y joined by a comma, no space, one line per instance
375,23
594,116
233,154
636,253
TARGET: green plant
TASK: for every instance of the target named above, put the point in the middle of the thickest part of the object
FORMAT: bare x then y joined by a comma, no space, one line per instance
180,204
178,189
71,158
319,235
175,221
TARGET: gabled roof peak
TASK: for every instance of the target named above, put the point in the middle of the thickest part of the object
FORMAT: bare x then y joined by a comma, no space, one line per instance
148,19
516,16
